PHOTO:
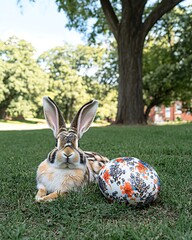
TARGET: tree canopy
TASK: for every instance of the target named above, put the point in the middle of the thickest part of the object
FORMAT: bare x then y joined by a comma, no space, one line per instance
22,81
66,73
167,60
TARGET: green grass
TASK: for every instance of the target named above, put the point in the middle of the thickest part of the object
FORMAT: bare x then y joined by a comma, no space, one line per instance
87,214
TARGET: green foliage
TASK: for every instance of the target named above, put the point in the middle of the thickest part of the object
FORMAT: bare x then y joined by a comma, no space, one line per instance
67,87
70,95
92,63
87,214
108,106
68,74
82,14
74,74
22,81
167,60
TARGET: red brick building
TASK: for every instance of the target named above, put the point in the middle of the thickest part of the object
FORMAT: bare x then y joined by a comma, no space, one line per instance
171,113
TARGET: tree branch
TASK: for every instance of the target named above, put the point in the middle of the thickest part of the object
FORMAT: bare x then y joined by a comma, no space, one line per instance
110,17
163,7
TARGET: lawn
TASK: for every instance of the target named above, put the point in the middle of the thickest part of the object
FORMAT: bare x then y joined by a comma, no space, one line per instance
87,214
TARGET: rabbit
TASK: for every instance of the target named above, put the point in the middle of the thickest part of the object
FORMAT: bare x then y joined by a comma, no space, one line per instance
67,168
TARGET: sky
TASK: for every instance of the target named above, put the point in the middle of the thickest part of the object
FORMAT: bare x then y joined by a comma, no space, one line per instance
39,23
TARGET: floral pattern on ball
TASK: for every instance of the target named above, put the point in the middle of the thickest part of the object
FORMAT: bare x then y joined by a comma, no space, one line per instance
129,180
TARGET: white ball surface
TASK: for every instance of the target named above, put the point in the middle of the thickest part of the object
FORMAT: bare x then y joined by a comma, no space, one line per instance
130,180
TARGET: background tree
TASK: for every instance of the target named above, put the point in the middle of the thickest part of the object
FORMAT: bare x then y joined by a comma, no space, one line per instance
129,26
67,87
73,72
22,81
167,60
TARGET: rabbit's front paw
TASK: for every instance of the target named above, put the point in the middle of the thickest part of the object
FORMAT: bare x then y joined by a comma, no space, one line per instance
48,198
43,199
38,199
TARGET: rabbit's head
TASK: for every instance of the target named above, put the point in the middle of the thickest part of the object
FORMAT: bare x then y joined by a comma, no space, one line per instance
67,154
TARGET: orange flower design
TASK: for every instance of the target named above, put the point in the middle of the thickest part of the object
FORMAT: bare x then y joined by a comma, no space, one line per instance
106,176
119,160
127,189
141,168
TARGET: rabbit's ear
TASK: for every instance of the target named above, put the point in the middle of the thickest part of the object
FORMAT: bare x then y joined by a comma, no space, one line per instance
84,117
53,116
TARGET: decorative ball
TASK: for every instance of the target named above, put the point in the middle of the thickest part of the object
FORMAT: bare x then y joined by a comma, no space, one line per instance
129,180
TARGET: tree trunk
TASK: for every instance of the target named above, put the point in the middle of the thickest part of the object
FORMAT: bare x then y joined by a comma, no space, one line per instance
147,111
3,112
4,105
130,100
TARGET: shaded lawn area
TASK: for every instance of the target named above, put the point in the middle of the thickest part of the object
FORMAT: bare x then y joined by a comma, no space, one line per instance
87,214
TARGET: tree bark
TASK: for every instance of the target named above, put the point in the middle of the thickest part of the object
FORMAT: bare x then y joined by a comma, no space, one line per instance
130,48
130,97
147,111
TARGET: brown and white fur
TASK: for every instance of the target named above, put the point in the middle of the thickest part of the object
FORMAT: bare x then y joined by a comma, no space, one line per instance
67,167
